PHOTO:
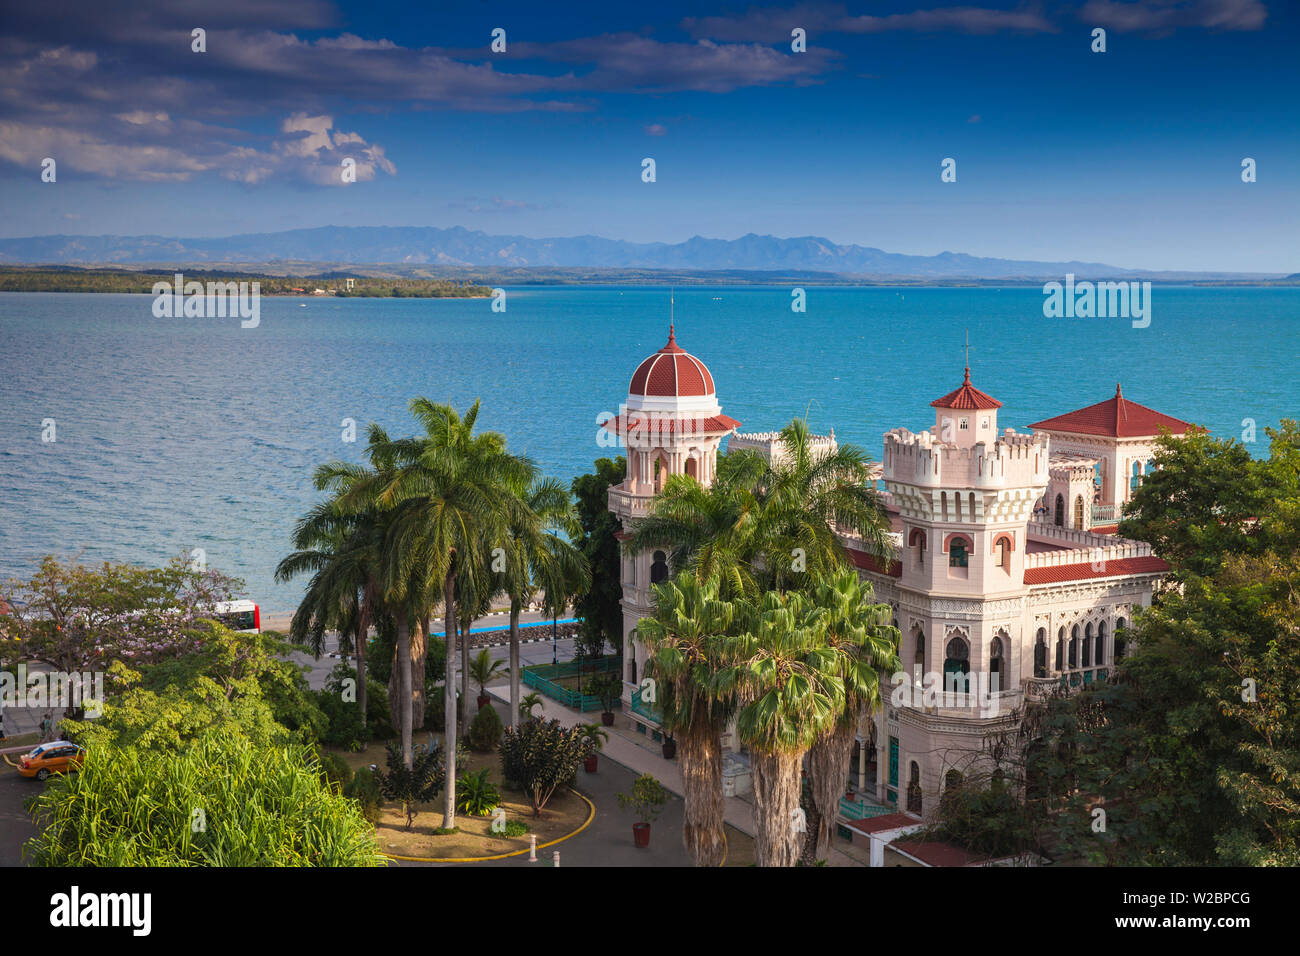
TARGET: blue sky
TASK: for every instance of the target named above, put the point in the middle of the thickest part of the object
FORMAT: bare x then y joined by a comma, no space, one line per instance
1130,157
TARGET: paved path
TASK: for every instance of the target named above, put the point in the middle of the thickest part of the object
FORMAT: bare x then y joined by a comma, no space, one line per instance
15,826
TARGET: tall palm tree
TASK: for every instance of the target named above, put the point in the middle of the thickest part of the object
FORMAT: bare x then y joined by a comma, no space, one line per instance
450,496
686,639
539,554
868,643
788,682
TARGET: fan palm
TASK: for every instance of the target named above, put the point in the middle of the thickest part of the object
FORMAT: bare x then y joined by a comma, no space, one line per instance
868,643
789,686
686,642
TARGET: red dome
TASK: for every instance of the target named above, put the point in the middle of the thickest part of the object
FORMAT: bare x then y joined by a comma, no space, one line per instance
672,371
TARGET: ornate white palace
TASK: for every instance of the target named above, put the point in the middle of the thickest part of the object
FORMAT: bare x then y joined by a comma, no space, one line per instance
1007,577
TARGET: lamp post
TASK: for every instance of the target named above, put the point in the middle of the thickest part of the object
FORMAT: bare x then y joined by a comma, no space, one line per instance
555,654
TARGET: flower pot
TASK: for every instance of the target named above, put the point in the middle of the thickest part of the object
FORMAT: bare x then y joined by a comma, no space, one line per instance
483,701
641,834
589,764
670,749
607,718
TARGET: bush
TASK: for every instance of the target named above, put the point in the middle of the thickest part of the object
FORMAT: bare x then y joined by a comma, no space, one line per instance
476,794
222,800
364,789
435,713
334,770
514,828
342,717
485,730
418,784
541,756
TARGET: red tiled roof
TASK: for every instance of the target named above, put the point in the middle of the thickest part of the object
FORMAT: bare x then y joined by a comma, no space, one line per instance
1116,417
672,371
1105,529
668,425
937,854
869,562
1079,572
968,396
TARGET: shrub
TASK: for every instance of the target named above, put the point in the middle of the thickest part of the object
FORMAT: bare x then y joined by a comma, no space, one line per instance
419,783
435,712
485,730
222,800
514,828
647,798
541,756
335,771
476,794
527,703
364,789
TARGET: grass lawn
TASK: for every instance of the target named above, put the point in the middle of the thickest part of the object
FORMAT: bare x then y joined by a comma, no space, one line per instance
564,813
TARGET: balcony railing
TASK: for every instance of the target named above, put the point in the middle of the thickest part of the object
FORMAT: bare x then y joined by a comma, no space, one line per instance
1104,514
636,506
645,710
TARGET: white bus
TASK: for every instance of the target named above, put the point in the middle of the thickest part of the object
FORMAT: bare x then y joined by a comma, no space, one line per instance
244,616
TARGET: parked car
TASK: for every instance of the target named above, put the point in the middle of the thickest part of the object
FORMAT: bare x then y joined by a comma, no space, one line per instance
58,756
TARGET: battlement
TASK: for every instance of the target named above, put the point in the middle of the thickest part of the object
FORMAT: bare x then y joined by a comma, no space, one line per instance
768,444
1012,461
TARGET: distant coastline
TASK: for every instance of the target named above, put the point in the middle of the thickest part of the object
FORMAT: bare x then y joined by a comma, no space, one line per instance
332,284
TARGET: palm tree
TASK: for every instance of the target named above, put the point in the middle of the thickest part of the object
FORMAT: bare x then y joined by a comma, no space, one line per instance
686,640
539,553
450,497
342,549
788,683
868,643
485,670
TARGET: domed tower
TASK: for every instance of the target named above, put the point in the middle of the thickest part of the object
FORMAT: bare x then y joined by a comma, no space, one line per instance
671,424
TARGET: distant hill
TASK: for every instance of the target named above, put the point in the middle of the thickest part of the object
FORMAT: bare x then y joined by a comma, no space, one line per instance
457,247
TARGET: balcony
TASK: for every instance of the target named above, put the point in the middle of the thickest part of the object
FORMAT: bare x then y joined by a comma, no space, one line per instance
1105,514
627,505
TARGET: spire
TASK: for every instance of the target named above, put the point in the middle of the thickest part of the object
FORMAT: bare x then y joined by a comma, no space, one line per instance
967,381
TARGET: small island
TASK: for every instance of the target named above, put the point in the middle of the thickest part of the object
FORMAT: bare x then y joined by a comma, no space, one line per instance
341,284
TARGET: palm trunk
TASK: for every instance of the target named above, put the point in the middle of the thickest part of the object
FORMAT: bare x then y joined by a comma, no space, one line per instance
828,768
363,628
515,606
404,685
464,661
700,756
776,798
449,697
419,652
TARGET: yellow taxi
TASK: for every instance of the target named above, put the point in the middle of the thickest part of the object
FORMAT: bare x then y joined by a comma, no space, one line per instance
58,756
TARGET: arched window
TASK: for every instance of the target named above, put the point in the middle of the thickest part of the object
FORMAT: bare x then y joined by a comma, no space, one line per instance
1004,548
1060,649
952,780
1074,647
631,670
972,506
1040,654
918,659
1060,511
661,474
917,540
1087,645
693,468
957,554
996,671
956,666
659,567
1150,467
914,788
1119,640
1100,656
1136,478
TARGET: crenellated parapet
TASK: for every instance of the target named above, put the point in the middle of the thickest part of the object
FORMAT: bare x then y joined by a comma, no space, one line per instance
1011,461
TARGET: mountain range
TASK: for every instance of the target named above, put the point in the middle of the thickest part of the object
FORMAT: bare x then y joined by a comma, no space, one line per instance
416,247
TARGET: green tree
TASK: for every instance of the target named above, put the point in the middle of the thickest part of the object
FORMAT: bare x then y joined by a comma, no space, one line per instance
791,682
540,756
599,606
686,640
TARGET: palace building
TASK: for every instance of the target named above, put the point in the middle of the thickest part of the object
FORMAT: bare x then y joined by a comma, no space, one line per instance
1007,577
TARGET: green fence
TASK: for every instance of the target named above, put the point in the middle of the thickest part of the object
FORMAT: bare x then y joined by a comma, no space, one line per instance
546,678
645,710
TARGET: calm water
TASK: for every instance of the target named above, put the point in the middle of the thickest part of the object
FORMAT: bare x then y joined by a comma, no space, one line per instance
175,434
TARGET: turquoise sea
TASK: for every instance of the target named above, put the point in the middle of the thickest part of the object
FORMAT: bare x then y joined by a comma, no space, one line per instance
173,434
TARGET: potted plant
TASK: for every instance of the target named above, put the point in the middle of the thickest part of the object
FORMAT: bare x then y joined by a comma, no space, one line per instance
669,746
609,688
483,670
596,735
526,705
647,800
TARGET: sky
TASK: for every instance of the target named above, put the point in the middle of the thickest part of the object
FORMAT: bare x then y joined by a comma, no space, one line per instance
1131,157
